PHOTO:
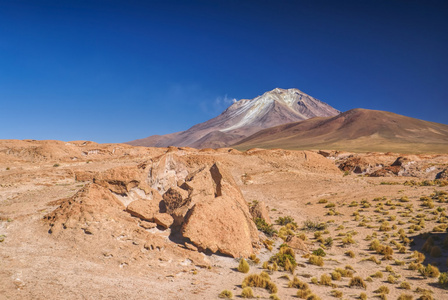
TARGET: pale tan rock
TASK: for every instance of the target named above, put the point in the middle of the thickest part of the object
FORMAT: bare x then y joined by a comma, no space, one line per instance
166,171
200,183
219,225
260,210
120,180
147,225
163,219
179,214
143,209
190,247
296,243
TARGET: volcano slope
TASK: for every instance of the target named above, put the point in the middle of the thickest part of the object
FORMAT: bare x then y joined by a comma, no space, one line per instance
359,130
83,220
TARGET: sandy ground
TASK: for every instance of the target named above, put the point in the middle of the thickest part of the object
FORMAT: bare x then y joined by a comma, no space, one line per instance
35,265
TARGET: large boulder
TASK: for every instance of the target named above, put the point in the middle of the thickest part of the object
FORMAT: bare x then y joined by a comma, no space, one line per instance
219,219
219,225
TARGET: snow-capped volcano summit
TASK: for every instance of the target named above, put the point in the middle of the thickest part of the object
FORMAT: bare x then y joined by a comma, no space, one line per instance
245,117
298,105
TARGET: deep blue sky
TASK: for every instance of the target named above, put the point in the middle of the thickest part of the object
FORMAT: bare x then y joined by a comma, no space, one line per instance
114,71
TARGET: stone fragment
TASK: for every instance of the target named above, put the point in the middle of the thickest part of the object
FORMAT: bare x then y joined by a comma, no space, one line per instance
260,210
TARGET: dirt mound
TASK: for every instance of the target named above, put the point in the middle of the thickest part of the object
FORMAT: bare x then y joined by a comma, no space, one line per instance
86,210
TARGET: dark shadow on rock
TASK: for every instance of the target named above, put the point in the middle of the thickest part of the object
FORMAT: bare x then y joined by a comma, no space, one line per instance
176,237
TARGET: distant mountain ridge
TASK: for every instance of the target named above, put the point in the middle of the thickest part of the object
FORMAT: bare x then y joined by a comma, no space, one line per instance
243,118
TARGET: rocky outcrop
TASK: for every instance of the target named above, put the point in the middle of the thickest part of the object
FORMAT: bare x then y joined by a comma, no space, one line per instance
200,202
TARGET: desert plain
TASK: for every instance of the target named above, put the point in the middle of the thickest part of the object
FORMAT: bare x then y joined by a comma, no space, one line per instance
80,220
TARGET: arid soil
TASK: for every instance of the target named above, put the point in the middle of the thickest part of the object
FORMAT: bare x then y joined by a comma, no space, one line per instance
78,221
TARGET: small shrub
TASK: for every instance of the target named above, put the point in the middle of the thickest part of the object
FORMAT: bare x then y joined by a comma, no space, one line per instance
226,294
268,244
319,252
382,290
357,282
328,242
350,254
391,279
56,165
374,259
348,240
297,283
274,297
286,220
418,256
312,297
316,260
254,258
344,272
325,280
336,294
414,266
303,294
243,267
247,293
265,265
265,227
363,296
262,281
378,274
285,258
443,280
429,271
405,285
405,297
314,225
336,275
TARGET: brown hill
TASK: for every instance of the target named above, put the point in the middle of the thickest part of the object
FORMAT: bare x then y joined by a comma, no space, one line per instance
355,130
